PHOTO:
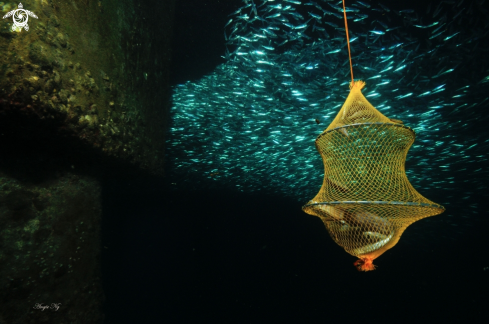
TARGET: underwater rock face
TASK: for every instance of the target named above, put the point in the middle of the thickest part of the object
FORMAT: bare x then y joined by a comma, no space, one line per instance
38,56
18,199
65,108
49,238
51,73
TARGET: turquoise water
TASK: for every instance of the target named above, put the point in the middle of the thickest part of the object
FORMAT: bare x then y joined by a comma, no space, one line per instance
226,240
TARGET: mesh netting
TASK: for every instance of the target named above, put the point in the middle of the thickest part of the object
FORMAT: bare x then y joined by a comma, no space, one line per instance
366,201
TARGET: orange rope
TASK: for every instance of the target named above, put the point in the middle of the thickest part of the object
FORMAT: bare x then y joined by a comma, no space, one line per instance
348,40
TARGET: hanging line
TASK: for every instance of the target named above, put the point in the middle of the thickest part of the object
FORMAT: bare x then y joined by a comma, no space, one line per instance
348,41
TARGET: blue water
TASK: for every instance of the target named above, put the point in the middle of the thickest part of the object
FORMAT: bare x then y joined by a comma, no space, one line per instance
225,239
250,125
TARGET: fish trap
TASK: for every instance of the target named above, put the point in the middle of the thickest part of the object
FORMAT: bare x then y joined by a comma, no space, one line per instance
366,201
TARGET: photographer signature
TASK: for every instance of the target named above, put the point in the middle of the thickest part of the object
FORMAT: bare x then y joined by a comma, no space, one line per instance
54,306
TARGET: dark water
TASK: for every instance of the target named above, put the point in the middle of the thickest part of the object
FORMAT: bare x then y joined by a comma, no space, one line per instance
223,238
230,257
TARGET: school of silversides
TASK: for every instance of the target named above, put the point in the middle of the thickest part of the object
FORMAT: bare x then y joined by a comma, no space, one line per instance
252,123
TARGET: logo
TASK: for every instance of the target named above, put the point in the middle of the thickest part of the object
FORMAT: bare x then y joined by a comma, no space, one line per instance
20,16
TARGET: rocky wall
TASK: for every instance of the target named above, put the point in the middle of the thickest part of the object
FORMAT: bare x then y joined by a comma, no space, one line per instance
83,94
100,67
50,251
